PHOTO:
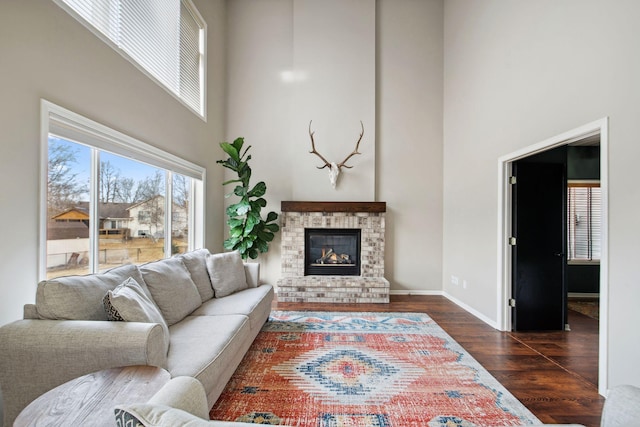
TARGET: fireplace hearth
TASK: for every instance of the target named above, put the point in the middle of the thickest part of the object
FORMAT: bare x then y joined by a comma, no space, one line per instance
331,276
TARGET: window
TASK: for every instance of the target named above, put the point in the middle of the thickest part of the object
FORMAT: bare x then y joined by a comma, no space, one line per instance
584,221
144,217
165,38
106,196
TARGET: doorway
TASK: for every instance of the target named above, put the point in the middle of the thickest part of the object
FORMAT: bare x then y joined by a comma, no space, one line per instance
597,129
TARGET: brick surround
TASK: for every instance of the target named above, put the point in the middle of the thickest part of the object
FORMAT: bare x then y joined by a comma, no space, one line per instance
370,286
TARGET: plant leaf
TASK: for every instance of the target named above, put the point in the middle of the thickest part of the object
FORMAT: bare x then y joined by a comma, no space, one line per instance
259,190
234,222
262,245
232,150
272,227
271,216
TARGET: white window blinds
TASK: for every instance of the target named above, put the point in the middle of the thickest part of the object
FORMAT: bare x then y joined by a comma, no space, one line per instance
584,221
164,37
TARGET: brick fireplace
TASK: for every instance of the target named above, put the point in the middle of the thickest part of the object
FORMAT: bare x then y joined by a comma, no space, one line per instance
369,286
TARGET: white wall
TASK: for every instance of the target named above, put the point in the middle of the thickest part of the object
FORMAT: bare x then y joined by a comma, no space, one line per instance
409,158
379,61
334,59
517,73
47,54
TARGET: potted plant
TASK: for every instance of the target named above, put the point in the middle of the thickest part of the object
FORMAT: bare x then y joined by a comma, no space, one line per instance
248,232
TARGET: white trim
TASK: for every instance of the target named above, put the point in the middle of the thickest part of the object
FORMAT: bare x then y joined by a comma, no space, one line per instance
94,197
503,314
168,214
471,310
451,298
414,292
73,126
583,295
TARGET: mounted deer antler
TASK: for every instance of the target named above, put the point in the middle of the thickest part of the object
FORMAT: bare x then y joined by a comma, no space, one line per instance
334,168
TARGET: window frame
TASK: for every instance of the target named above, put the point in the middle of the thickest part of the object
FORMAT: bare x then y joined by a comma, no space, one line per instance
79,129
195,14
582,183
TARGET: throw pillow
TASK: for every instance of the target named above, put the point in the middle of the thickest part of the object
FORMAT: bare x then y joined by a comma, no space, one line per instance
226,271
155,415
126,419
196,263
129,302
172,288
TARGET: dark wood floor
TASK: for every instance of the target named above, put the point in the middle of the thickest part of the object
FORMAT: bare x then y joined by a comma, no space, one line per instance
553,374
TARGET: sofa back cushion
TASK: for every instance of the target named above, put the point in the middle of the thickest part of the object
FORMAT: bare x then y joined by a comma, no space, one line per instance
196,263
80,297
226,271
172,288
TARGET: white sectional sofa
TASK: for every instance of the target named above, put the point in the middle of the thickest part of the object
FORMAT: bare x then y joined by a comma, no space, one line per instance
194,314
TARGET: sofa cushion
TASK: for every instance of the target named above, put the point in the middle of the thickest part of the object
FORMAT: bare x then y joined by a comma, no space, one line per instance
196,263
80,297
128,302
253,302
209,349
172,288
226,271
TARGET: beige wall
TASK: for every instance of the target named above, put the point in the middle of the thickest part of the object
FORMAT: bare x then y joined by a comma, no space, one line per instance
47,54
399,47
409,158
517,73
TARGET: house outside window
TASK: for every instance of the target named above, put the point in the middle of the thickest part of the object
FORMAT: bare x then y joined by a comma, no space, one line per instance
584,222
144,217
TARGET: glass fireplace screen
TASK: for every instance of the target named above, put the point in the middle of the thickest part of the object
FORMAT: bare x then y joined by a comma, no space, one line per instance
332,251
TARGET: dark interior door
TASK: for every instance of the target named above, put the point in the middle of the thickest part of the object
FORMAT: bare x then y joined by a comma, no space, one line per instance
538,282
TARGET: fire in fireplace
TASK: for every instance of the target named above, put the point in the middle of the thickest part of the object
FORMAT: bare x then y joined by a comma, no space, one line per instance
332,251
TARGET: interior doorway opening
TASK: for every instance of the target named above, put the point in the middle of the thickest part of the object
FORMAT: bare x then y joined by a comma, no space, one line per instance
588,135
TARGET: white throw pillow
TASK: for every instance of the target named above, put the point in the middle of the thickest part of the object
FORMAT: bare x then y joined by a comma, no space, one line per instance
226,271
196,263
172,288
129,302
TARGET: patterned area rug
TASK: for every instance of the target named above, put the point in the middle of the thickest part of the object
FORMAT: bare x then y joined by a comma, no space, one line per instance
320,369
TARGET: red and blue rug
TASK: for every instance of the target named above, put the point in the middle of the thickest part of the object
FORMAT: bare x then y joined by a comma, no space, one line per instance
321,369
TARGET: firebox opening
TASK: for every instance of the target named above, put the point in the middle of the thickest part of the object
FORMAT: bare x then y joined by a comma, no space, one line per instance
332,251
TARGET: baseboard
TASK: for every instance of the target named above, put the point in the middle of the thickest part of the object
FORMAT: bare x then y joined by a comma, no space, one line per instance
593,295
414,292
472,311
451,298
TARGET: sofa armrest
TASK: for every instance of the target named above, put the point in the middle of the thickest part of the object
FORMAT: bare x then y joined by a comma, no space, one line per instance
29,311
252,271
185,393
38,355
622,407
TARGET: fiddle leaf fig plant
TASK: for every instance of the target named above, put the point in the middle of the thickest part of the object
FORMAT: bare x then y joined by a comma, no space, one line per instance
248,232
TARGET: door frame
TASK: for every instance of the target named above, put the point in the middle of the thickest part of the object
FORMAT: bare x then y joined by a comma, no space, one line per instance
503,314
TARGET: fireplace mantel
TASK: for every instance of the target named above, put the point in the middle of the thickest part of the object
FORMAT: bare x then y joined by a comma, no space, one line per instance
372,207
